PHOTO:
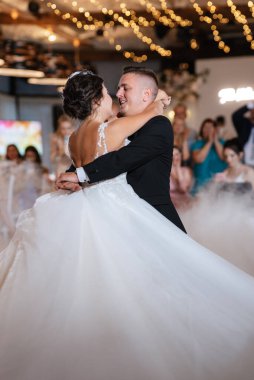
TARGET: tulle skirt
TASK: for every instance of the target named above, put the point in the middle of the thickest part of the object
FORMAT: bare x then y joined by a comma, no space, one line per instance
97,285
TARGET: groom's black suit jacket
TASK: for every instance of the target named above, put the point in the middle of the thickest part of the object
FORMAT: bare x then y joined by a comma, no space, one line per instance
147,160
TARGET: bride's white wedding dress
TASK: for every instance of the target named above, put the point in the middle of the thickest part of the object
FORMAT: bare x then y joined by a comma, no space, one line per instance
97,285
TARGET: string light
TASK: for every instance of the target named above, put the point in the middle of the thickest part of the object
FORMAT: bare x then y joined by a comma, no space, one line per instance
251,6
241,18
173,19
52,37
157,14
142,21
216,35
135,27
14,14
94,23
129,19
177,19
194,44
216,16
127,54
120,19
97,24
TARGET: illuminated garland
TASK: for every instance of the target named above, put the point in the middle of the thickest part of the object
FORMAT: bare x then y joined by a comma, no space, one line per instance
142,21
129,19
251,6
216,16
216,35
241,18
157,14
136,30
97,24
176,18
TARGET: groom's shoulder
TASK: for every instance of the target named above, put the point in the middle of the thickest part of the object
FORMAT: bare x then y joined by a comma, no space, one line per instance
160,123
160,119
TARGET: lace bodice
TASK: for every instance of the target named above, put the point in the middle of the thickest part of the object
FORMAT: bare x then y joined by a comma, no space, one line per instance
101,150
101,143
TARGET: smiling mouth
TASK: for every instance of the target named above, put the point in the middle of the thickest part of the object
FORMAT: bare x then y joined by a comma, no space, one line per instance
122,102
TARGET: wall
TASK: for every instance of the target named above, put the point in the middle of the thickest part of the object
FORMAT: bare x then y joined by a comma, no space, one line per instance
40,109
7,107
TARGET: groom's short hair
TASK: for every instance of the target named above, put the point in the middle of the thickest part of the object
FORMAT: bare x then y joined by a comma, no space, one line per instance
141,71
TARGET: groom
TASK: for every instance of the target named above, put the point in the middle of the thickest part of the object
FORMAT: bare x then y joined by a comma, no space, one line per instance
147,158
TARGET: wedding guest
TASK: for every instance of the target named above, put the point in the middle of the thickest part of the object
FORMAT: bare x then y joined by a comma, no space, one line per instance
32,179
32,155
244,125
236,172
224,131
181,135
181,179
59,154
13,154
207,155
180,111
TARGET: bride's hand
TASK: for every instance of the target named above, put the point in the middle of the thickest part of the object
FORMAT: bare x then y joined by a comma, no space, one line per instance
160,103
163,98
67,181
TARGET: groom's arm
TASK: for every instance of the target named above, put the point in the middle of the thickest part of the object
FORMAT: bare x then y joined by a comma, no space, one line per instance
154,139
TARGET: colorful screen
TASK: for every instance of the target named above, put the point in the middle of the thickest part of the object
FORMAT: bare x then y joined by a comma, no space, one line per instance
20,133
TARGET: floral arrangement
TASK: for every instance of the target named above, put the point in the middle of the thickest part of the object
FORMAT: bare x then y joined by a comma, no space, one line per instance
181,85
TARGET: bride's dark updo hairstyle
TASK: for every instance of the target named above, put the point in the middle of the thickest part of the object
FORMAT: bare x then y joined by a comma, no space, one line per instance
83,89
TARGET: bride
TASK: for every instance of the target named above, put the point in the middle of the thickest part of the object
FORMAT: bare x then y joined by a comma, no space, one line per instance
98,285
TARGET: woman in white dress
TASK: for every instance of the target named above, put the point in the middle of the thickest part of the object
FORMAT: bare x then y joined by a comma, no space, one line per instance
236,172
97,285
59,155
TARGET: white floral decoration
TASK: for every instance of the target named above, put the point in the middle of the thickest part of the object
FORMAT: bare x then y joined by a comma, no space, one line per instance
181,85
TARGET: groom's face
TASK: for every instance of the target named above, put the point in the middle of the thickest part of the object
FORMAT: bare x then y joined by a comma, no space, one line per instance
131,94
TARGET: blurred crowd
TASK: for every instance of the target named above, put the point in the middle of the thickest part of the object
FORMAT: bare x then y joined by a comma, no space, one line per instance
24,178
206,157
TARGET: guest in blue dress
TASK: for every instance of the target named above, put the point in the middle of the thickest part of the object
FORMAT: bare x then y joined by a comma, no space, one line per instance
207,155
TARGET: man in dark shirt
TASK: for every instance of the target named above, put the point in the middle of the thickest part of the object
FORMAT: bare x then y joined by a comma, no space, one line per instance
245,130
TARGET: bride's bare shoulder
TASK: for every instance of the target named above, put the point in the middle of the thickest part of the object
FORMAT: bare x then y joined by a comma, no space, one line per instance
115,140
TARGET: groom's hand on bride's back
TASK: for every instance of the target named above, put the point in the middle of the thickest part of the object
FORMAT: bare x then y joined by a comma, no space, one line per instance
67,181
